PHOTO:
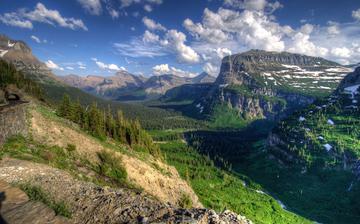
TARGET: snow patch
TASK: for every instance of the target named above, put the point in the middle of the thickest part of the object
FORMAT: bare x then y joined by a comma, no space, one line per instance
3,52
352,90
327,147
10,44
223,85
301,118
329,121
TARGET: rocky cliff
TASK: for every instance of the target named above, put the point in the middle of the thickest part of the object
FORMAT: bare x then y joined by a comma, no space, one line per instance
262,84
20,54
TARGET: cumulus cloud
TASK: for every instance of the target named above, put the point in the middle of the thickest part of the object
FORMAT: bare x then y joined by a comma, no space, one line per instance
24,18
150,37
105,66
356,14
91,6
152,25
52,65
165,69
176,40
210,68
255,5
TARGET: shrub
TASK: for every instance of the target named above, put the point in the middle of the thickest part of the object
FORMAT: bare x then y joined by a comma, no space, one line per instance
111,166
185,201
71,147
35,193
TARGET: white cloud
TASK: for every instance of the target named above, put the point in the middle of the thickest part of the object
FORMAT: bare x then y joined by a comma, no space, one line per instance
148,8
176,41
333,28
69,68
36,39
138,48
165,69
150,37
91,6
152,25
356,14
104,66
254,5
12,19
127,3
342,52
50,64
24,18
211,69
114,13
161,69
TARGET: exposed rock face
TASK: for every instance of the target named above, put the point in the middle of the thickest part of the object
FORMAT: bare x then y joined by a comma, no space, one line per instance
17,208
351,79
12,121
93,204
264,84
19,54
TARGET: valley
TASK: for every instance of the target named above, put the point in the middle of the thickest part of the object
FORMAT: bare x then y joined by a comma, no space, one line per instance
273,138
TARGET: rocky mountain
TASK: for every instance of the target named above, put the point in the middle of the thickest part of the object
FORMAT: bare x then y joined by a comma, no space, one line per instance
107,87
19,54
126,86
260,84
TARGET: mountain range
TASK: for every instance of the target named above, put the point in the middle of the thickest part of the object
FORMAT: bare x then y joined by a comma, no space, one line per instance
126,86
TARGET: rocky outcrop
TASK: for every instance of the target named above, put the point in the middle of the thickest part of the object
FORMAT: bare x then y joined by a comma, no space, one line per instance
90,203
13,120
15,207
20,54
270,85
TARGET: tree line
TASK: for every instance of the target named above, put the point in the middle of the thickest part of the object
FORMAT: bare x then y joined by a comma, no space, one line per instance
9,75
103,124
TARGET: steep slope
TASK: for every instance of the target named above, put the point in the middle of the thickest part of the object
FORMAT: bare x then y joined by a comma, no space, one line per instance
19,54
326,130
320,144
260,84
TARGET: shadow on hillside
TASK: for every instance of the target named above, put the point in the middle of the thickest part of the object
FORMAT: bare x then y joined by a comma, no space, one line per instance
2,199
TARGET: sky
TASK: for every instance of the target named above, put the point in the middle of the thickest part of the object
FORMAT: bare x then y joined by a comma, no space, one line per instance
185,38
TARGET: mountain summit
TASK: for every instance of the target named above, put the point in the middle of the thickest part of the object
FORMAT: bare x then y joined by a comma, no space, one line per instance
261,84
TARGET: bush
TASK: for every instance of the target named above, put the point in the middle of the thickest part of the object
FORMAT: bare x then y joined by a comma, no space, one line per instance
71,147
110,166
185,201
35,193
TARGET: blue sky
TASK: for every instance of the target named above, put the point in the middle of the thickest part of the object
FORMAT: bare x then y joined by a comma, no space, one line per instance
182,37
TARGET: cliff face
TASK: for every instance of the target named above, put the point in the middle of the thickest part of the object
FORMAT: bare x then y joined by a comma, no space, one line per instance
269,85
12,121
20,54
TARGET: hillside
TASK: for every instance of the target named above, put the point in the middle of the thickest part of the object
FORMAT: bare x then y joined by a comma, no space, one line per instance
322,141
259,84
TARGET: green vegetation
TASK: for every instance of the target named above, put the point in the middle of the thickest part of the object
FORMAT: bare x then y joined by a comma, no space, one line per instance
225,117
102,124
109,172
110,166
36,193
185,201
219,189
9,75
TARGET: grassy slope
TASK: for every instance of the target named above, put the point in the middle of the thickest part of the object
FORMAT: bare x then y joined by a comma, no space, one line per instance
219,189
